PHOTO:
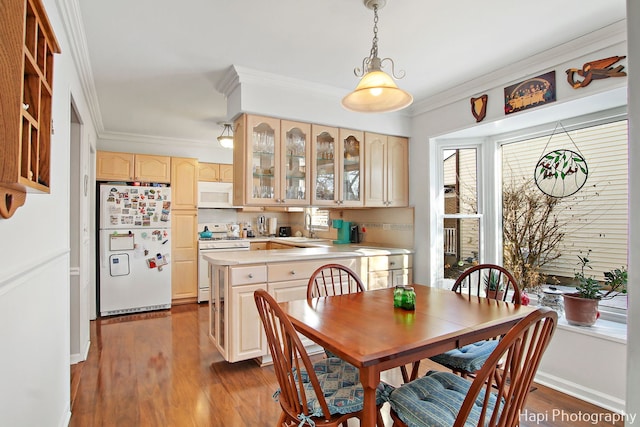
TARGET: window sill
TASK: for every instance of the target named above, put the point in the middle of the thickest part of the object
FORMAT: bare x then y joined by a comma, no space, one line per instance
603,329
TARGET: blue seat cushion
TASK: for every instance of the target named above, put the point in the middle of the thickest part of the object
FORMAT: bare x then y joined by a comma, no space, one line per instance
469,358
435,400
340,383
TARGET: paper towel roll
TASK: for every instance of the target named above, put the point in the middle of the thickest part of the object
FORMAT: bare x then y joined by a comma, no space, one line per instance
273,225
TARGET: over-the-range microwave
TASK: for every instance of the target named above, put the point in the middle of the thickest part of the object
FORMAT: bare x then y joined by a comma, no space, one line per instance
215,194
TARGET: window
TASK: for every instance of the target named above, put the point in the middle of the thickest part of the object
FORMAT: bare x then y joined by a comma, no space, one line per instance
475,179
552,234
461,220
319,218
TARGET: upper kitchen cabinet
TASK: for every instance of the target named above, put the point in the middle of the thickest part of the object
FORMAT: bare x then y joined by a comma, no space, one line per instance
215,172
256,161
270,160
337,166
387,171
294,171
26,85
112,166
152,168
184,183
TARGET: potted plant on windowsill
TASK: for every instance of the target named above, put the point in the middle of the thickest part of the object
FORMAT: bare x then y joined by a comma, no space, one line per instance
493,287
581,308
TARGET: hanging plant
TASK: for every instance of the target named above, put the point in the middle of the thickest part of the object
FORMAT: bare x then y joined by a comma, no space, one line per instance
563,172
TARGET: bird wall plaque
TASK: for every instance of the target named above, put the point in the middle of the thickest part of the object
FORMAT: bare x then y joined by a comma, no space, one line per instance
595,70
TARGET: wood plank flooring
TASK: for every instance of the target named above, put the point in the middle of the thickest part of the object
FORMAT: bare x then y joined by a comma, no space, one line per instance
160,369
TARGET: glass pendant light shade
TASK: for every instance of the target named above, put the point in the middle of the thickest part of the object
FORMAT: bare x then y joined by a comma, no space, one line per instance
377,93
226,140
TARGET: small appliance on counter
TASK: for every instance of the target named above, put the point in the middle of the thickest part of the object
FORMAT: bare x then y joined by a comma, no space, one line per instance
262,225
284,232
354,233
344,230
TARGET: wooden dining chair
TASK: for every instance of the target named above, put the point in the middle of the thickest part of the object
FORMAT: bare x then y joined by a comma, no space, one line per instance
333,279
442,399
474,283
327,392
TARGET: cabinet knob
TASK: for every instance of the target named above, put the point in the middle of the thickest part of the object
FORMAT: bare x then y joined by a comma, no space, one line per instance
392,263
250,275
293,272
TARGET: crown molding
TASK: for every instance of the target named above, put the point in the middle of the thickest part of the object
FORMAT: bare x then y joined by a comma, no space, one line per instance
239,75
580,46
76,37
151,139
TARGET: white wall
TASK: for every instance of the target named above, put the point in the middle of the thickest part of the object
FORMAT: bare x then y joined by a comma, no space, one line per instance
34,284
449,117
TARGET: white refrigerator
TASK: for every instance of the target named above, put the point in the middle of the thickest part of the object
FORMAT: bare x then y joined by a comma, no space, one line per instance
135,249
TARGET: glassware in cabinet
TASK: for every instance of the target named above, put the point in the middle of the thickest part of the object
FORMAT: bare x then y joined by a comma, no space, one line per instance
264,139
324,165
295,155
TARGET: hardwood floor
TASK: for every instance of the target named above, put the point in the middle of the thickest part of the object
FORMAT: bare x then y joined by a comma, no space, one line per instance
160,369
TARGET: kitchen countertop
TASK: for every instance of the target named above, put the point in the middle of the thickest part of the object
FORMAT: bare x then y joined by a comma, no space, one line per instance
323,249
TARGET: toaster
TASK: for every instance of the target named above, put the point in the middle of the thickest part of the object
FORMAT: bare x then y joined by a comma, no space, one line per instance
284,232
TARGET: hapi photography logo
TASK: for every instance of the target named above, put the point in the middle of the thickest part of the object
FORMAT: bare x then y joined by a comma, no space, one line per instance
563,417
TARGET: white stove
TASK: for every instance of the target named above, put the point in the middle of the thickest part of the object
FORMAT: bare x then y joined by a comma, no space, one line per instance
223,238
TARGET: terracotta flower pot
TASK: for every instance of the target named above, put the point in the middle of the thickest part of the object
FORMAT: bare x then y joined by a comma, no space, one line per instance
499,295
580,311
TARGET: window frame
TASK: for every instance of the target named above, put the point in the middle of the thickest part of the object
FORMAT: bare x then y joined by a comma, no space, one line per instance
489,155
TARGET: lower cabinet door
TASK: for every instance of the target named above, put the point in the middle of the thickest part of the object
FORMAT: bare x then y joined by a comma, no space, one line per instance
248,338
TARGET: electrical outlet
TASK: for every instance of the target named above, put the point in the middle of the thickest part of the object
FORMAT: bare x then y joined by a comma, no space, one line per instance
386,227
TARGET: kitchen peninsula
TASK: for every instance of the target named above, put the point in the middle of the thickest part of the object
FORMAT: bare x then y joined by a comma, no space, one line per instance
234,324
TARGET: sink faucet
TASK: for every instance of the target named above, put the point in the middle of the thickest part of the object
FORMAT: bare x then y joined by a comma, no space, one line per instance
308,225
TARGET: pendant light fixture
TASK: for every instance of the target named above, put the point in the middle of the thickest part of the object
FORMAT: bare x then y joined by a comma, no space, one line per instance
377,92
226,137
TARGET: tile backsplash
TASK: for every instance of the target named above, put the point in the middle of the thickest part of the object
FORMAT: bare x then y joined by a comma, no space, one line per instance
388,226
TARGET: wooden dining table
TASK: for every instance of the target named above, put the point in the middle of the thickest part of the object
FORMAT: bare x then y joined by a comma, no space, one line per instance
366,330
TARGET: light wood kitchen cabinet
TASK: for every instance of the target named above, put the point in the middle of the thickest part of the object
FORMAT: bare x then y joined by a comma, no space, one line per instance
386,271
215,172
184,229
184,183
274,157
258,246
26,88
387,171
337,166
113,166
184,255
234,324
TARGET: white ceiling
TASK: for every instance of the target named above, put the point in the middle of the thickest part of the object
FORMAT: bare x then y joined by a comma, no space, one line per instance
156,63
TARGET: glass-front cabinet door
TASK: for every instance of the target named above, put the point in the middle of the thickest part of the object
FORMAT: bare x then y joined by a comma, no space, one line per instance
324,170
263,150
337,158
351,167
295,152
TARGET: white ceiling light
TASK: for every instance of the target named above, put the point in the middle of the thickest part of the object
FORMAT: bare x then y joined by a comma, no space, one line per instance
226,137
377,92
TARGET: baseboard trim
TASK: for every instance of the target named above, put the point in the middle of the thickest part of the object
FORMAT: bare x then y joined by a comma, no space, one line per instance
595,397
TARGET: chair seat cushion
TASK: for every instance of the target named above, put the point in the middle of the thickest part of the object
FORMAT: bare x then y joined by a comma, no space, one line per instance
469,358
340,383
435,400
